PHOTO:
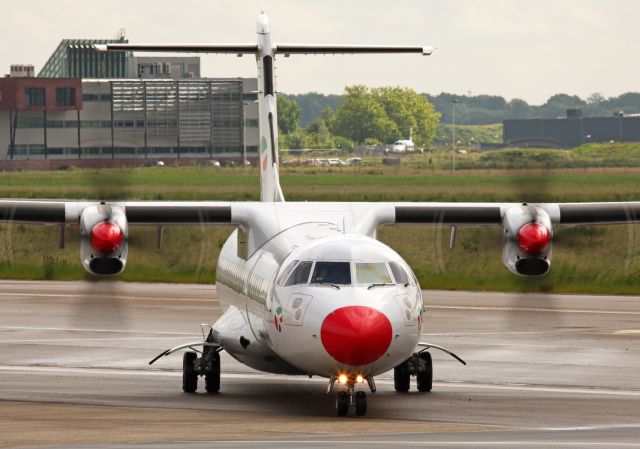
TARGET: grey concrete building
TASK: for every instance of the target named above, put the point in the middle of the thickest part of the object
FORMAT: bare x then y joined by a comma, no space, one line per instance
128,118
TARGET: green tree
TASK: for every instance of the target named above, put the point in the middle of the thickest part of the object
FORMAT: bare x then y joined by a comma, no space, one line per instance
385,114
407,109
318,135
360,116
342,143
288,115
294,140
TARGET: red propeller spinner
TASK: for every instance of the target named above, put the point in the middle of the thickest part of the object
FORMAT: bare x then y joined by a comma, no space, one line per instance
534,238
106,237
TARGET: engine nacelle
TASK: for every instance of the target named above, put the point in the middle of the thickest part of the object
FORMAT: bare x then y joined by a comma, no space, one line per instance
528,233
104,239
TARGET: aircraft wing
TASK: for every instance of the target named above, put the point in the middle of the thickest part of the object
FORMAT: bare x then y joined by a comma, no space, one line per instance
220,212
527,229
488,214
185,48
306,49
137,212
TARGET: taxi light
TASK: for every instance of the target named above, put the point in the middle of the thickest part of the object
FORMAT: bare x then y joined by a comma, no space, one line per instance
342,379
359,379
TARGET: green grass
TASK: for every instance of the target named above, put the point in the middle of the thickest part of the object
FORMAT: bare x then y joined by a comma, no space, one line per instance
593,260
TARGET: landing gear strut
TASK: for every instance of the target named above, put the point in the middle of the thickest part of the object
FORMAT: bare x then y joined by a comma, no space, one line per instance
351,398
208,365
419,365
346,399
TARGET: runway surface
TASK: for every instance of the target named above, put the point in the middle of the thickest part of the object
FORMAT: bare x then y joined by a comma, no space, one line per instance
544,371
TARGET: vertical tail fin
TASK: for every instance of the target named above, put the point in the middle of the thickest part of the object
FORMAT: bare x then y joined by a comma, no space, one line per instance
270,189
265,51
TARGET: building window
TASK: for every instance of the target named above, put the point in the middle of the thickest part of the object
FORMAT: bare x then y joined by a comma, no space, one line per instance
66,96
34,96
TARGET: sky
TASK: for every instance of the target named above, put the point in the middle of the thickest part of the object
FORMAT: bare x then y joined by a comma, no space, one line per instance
528,49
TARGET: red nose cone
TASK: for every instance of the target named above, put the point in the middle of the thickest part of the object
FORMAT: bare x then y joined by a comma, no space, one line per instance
356,335
533,238
106,237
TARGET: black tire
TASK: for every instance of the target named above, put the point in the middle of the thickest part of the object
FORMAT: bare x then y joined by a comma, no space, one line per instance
361,403
212,378
342,404
425,375
189,376
401,377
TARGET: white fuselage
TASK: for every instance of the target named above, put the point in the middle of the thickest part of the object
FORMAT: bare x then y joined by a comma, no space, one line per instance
307,327
403,146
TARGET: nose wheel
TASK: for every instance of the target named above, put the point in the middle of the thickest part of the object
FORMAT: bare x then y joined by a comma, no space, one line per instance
345,400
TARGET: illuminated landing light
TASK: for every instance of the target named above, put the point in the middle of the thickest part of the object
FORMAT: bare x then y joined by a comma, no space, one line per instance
533,238
106,237
342,379
359,379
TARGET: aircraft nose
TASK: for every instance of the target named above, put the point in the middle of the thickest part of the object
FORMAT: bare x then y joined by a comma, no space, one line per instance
356,335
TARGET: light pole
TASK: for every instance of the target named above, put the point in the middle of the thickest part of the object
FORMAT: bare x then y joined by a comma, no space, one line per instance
453,130
244,134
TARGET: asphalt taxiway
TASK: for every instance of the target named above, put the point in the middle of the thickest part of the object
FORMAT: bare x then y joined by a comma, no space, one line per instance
543,371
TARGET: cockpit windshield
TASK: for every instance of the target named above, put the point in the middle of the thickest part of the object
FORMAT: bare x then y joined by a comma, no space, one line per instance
338,273
401,276
300,275
372,273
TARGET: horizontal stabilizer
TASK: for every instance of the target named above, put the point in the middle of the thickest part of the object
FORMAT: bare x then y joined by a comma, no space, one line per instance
305,49
184,48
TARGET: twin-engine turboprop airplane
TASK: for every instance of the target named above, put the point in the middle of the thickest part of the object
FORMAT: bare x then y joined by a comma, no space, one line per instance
308,290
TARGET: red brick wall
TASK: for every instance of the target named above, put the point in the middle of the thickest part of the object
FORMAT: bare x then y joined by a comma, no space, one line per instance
13,93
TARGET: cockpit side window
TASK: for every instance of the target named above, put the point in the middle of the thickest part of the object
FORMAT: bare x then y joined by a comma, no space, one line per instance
372,273
399,273
286,272
300,275
338,273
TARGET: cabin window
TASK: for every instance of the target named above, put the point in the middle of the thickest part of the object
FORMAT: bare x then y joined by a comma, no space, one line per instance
338,273
372,273
300,275
399,273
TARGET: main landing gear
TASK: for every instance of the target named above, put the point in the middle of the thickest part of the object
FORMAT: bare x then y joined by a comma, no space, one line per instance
208,366
418,365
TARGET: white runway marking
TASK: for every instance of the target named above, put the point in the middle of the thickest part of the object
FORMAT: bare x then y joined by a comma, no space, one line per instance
75,295
114,331
464,443
456,334
579,428
288,379
534,309
54,340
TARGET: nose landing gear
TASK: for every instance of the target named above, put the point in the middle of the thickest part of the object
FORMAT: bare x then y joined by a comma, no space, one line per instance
345,399
352,398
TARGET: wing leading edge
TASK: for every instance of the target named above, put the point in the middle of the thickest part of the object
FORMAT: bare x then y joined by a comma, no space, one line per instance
417,214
